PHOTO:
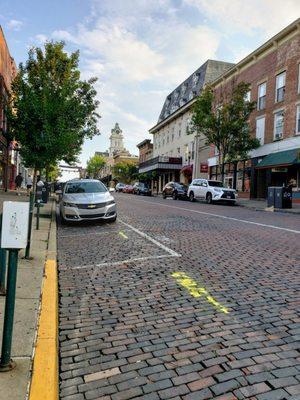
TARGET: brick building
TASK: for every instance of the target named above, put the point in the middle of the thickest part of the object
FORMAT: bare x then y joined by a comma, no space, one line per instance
145,150
8,153
273,71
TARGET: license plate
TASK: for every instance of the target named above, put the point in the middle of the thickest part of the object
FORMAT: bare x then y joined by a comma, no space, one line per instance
228,197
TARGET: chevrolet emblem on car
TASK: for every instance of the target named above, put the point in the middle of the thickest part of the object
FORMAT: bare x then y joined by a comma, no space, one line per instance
91,205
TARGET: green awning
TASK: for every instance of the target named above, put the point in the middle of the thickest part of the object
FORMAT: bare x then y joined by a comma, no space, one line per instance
282,158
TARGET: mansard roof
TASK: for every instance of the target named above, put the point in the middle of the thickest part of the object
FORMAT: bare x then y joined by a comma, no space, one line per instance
192,86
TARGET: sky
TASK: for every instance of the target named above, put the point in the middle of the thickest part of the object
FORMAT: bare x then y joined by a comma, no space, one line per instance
140,50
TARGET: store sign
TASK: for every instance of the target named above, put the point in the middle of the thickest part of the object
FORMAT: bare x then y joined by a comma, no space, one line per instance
279,169
204,167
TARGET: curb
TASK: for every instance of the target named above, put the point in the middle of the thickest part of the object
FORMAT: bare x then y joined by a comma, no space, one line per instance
44,379
44,382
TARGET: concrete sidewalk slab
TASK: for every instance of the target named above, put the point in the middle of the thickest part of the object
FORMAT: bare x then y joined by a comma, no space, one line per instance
15,384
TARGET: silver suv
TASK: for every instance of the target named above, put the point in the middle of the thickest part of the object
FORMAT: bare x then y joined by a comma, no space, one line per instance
211,191
86,199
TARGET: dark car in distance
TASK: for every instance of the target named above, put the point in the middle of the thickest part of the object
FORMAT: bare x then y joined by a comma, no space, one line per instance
176,190
141,188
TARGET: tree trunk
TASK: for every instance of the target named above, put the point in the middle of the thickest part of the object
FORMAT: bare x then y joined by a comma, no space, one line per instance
223,171
234,175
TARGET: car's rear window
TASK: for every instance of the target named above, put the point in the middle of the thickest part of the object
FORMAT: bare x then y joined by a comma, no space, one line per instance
180,185
85,187
215,183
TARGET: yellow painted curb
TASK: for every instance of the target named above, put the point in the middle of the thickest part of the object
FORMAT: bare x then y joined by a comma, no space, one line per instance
44,382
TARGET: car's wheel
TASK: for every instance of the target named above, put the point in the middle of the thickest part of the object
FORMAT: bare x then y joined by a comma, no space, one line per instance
174,196
209,198
112,220
138,192
164,195
62,219
192,197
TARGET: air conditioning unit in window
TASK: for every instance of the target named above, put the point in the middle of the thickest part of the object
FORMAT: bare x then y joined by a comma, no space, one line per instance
278,136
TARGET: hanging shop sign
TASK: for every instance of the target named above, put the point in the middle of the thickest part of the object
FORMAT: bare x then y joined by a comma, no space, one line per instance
204,167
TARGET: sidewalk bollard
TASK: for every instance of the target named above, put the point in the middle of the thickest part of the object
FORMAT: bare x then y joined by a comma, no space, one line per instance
2,271
31,207
6,364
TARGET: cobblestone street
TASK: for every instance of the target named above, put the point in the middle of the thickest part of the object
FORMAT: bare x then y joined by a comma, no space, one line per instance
180,300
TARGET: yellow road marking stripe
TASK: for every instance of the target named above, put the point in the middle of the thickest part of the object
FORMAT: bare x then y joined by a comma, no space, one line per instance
197,291
123,235
44,382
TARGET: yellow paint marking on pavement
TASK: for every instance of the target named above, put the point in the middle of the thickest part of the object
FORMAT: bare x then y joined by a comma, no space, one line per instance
197,291
123,235
44,381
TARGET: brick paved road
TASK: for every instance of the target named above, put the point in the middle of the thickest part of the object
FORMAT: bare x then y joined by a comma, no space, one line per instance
203,307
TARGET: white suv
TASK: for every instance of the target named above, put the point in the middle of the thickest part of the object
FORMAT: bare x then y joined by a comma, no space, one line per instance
211,191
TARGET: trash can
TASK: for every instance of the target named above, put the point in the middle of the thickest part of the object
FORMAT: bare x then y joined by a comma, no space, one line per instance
271,196
283,197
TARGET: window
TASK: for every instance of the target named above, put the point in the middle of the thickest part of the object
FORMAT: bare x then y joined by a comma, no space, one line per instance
261,104
299,78
172,137
280,87
298,120
178,150
260,130
278,125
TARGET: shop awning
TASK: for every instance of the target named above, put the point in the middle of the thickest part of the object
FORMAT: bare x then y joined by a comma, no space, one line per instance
187,170
280,159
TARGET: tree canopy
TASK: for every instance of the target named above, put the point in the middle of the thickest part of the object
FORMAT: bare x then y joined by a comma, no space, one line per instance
94,165
52,109
125,171
225,123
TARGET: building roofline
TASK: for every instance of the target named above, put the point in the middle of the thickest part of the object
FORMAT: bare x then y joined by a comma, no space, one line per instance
267,46
143,142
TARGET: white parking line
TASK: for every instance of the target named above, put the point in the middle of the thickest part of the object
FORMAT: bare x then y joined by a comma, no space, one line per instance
128,261
92,233
224,217
144,235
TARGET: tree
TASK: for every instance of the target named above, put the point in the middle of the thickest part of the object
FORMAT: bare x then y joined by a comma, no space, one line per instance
94,165
52,111
224,121
125,171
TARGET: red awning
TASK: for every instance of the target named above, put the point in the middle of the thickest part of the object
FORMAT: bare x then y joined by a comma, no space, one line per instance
187,170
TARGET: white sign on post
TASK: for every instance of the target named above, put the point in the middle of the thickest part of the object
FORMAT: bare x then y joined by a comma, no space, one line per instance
15,220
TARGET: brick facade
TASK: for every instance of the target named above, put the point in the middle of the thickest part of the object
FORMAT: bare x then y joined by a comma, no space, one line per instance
279,55
7,73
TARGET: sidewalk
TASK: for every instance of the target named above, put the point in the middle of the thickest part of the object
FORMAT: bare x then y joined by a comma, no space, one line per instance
15,384
261,205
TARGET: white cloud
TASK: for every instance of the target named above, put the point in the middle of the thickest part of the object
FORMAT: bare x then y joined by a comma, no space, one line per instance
239,16
14,24
40,38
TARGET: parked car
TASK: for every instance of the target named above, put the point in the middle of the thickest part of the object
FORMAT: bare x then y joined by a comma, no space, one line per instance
176,190
128,189
87,199
141,188
120,186
211,191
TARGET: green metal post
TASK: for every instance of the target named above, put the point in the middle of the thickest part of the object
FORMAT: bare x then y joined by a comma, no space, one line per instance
2,265
2,271
38,206
6,364
31,207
